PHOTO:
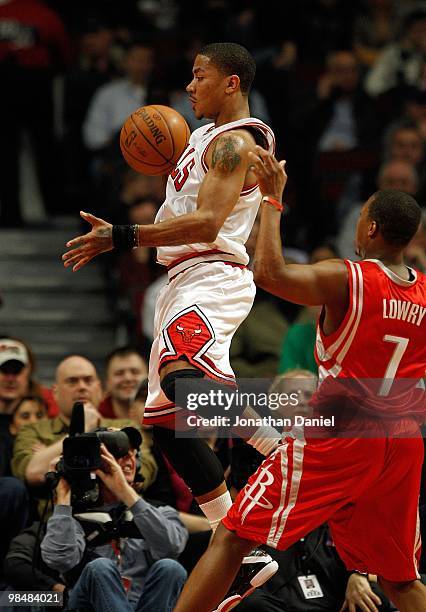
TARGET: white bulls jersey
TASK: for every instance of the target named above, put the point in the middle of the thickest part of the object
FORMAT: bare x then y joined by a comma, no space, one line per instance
182,189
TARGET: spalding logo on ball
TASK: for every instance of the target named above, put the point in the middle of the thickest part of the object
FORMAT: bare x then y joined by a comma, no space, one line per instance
153,138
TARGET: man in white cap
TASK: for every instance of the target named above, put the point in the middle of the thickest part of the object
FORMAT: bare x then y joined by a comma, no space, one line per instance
15,372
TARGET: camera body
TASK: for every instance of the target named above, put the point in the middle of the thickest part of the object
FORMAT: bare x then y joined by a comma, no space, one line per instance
82,457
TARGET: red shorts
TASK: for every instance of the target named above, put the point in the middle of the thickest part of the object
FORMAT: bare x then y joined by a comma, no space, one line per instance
366,489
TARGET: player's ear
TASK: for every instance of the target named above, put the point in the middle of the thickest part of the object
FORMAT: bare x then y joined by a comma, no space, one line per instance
233,84
373,229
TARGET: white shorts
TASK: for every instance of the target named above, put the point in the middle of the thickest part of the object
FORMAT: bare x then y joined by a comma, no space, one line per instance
196,316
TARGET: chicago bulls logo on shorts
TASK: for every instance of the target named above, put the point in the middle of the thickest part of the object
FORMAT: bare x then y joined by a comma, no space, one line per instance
188,333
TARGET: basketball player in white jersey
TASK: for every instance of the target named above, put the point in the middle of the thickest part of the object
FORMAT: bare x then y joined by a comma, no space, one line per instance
212,199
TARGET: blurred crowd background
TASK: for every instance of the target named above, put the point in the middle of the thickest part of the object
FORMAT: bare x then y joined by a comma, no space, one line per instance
343,85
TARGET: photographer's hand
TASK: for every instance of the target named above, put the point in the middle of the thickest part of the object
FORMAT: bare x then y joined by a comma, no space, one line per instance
91,417
63,493
112,476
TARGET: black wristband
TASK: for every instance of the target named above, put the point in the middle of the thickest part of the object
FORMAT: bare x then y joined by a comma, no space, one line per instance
124,237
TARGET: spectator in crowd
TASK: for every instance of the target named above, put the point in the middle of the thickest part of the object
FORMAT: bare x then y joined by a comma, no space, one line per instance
397,174
276,81
20,571
92,69
373,29
126,370
328,27
256,343
17,367
76,380
29,409
14,505
34,46
402,62
315,556
413,112
143,566
415,253
148,308
113,102
342,117
405,143
137,269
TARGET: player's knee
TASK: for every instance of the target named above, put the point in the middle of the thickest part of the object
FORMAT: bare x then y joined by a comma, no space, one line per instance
193,460
168,382
231,541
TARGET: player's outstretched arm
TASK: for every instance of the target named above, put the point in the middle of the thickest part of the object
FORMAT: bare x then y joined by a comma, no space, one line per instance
312,285
228,162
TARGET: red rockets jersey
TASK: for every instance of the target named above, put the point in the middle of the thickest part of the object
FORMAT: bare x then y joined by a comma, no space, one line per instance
383,334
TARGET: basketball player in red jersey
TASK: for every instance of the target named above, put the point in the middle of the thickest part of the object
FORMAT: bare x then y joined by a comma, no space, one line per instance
372,326
212,199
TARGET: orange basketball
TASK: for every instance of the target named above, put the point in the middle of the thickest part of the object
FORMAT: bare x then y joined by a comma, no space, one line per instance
153,138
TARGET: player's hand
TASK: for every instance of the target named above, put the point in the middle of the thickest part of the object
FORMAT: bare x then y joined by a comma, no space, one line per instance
270,173
84,248
359,595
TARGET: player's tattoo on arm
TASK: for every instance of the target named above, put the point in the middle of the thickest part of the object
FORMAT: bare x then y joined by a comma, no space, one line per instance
225,156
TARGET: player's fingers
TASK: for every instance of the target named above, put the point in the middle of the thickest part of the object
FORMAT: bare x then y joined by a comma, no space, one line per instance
81,263
90,218
77,257
271,164
261,152
344,607
254,159
352,607
70,254
78,240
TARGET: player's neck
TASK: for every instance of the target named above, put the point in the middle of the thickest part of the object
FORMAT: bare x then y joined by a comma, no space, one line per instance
234,111
394,260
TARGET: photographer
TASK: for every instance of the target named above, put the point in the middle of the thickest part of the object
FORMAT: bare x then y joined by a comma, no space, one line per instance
127,574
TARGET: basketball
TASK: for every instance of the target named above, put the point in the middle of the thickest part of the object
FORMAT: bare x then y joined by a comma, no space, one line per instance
153,138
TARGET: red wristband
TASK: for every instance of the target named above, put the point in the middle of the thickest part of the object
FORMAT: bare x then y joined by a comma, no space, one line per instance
273,202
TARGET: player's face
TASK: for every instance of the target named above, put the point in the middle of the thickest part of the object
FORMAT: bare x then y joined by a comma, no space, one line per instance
207,88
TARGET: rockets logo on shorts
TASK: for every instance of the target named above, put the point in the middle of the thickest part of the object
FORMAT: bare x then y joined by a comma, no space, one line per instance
189,333
254,494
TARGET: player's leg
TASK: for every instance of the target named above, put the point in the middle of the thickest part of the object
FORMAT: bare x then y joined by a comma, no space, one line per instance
294,490
407,596
214,573
381,534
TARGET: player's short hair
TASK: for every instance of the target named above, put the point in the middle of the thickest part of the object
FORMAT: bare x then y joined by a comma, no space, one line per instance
231,58
397,215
